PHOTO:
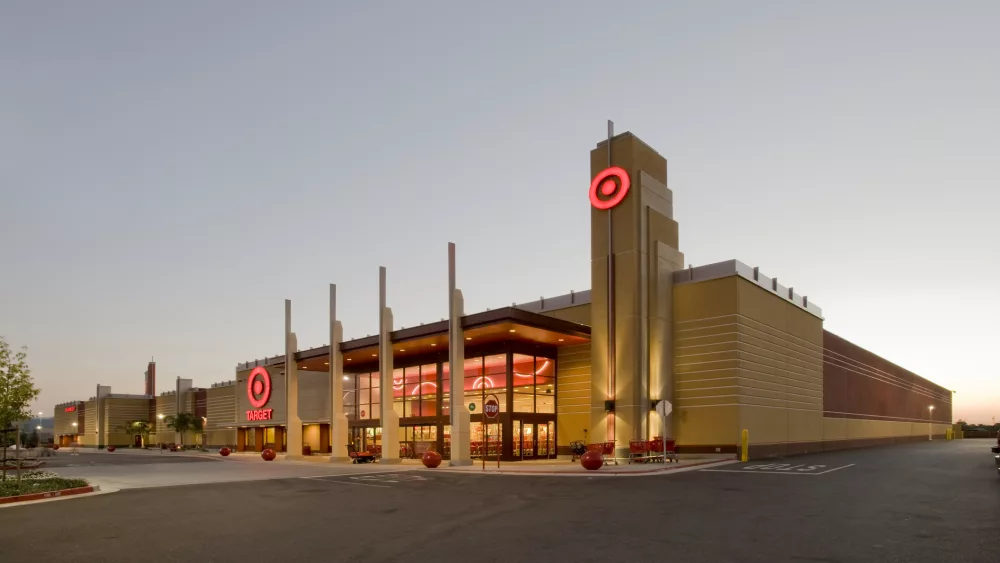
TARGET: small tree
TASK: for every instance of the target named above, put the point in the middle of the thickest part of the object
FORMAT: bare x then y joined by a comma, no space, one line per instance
184,422
137,428
17,391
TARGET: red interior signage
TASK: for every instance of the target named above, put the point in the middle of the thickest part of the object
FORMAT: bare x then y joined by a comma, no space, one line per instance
70,409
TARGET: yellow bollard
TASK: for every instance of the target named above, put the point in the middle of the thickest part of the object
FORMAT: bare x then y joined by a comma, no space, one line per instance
745,450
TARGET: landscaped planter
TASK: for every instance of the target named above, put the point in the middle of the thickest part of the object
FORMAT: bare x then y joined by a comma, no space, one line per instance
39,488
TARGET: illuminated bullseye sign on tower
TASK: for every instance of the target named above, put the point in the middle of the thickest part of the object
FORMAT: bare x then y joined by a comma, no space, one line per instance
609,188
259,391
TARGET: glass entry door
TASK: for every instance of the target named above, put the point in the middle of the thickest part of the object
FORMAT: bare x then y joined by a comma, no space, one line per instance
524,440
417,440
534,440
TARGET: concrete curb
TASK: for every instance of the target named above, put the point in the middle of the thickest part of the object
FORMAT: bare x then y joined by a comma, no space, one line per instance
598,473
49,494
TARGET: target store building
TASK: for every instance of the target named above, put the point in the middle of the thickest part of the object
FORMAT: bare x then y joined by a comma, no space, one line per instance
727,346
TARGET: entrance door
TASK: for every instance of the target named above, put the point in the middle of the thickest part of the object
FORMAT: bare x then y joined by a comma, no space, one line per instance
524,440
137,441
545,439
417,440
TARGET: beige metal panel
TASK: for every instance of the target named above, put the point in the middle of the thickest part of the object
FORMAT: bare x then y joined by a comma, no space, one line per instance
578,314
89,437
573,381
220,408
706,425
62,423
314,397
221,437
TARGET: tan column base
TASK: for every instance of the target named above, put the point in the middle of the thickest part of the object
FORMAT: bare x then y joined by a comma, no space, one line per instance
460,437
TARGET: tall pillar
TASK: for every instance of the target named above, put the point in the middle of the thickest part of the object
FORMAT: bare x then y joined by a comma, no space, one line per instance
182,387
460,433
339,434
100,429
631,312
293,424
389,418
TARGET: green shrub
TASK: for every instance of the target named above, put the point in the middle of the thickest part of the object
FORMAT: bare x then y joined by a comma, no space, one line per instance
10,487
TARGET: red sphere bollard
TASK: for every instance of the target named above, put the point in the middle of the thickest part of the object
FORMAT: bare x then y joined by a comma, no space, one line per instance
592,460
431,459
268,454
55,447
224,452
111,448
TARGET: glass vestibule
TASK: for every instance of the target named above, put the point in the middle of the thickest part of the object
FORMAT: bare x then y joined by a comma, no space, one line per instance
523,383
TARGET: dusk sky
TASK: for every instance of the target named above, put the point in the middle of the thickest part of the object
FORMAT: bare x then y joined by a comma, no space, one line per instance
171,172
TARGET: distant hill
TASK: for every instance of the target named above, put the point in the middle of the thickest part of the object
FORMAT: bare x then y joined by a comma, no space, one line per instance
47,424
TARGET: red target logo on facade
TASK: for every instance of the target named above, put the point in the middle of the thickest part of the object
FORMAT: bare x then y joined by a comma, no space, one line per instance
259,390
609,187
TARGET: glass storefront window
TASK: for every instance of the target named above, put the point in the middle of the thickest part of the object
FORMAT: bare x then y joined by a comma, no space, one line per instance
445,390
486,439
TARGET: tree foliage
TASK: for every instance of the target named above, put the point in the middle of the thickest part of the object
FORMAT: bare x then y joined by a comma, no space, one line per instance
17,390
137,428
184,422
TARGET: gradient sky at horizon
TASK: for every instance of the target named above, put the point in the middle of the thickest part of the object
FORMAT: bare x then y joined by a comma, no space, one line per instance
171,172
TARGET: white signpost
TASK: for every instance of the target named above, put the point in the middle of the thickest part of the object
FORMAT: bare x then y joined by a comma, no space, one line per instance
664,408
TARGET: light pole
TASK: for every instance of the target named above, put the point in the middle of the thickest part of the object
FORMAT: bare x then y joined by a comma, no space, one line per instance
38,443
159,416
930,413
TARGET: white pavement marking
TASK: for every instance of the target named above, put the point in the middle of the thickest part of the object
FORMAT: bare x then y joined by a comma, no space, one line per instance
346,482
394,477
835,469
781,469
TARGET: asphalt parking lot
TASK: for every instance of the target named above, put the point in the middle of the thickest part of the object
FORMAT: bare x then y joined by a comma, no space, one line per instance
921,502
86,458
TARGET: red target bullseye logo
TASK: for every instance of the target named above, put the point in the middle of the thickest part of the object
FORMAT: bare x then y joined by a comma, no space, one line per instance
259,390
609,188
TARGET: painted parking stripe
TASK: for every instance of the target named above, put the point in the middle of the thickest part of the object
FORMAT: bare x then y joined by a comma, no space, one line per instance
346,482
382,479
783,469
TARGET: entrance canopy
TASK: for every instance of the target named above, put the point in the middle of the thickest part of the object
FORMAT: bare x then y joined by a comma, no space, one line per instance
499,325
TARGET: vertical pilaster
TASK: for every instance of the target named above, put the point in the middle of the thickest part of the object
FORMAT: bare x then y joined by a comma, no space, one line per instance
339,434
634,367
460,416
293,424
389,418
